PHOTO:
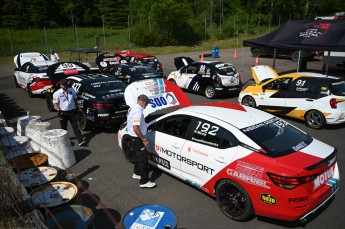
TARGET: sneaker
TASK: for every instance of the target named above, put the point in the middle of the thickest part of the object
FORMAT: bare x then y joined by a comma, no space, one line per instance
82,143
135,176
149,184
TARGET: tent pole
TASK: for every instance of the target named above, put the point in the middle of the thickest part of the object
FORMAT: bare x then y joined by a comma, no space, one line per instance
299,60
242,59
329,53
274,57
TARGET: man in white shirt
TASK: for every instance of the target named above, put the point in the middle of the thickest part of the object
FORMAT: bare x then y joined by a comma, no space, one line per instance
137,128
64,101
54,56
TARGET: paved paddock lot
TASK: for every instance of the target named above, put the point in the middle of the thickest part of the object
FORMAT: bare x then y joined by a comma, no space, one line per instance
106,185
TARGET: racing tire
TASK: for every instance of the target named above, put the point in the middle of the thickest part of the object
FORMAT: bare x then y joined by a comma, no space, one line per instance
82,120
256,52
248,101
233,200
127,150
50,105
294,56
173,81
315,119
16,82
210,92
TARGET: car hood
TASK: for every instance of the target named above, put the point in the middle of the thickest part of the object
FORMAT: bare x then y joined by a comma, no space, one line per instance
22,58
182,61
263,72
62,70
162,94
314,158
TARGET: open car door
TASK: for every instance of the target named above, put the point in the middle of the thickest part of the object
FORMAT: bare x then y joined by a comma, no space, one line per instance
182,61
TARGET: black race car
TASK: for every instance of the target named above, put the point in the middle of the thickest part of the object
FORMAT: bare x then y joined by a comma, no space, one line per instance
100,96
129,73
104,60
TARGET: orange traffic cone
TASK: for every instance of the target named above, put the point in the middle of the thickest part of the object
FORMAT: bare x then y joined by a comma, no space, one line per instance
202,57
256,61
235,54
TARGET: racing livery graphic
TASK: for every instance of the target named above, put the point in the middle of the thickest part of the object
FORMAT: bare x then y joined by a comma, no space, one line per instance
252,162
315,98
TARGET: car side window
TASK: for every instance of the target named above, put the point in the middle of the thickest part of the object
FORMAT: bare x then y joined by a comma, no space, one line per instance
210,134
175,125
279,84
307,85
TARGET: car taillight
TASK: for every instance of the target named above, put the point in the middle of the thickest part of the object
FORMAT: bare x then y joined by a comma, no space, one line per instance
219,80
288,182
333,103
101,105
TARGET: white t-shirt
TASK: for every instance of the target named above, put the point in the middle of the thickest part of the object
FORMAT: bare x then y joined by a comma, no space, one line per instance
136,118
54,57
65,99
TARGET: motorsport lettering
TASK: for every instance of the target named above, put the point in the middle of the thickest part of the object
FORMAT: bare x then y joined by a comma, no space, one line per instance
184,159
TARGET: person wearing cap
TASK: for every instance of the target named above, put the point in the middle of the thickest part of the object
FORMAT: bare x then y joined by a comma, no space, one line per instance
137,128
54,56
64,101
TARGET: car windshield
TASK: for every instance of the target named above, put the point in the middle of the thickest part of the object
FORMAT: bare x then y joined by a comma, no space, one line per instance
277,137
142,70
338,88
227,69
105,87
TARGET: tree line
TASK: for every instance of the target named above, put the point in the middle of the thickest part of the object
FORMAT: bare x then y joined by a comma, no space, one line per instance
162,22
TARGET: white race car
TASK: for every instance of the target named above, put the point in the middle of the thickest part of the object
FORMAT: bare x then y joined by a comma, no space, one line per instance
31,72
252,162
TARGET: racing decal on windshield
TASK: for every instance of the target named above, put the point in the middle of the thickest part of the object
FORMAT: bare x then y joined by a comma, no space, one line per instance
183,159
268,199
160,161
248,178
276,121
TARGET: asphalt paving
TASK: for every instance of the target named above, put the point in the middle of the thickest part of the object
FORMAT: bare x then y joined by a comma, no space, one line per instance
104,176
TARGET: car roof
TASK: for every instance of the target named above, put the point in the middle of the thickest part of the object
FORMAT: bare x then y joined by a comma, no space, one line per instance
311,74
233,113
91,77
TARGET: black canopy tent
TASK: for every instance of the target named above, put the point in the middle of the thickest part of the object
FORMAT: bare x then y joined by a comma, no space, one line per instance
305,35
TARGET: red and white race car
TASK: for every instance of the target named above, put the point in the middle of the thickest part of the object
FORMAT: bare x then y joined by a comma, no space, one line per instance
252,162
31,72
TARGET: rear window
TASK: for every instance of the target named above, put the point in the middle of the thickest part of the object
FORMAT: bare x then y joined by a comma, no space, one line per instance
277,137
105,87
226,69
338,88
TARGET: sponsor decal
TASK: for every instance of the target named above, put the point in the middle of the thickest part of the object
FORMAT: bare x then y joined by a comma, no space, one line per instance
314,31
248,178
160,161
183,159
190,150
323,177
70,72
268,199
197,185
276,121
298,199
249,169
166,100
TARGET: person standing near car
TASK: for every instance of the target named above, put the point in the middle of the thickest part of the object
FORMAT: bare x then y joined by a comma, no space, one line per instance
137,128
65,100
54,56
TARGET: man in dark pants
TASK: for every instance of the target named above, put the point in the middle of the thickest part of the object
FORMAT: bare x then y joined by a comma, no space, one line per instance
64,101
137,129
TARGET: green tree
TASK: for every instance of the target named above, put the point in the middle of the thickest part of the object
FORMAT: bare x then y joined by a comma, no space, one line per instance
12,14
114,13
